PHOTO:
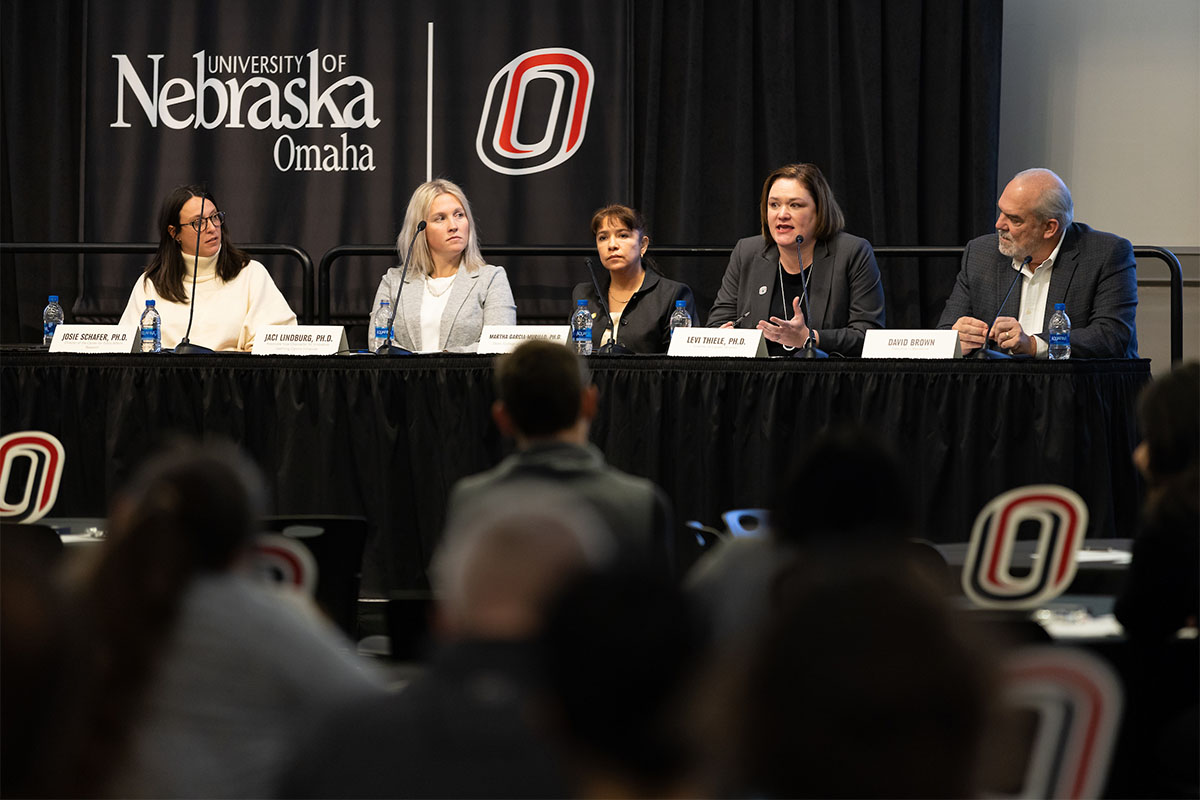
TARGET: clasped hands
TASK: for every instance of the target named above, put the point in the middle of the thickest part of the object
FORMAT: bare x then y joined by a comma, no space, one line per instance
1006,333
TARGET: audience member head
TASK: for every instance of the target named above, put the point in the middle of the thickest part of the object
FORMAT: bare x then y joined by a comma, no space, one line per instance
420,206
828,220
861,684
621,648
188,511
543,391
820,504
1170,448
179,241
501,560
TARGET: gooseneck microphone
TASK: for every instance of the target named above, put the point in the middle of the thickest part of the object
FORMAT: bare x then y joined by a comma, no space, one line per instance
612,348
185,347
985,352
810,345
387,348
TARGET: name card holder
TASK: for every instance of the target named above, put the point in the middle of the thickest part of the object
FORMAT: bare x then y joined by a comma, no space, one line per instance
911,344
95,339
299,340
505,338
717,343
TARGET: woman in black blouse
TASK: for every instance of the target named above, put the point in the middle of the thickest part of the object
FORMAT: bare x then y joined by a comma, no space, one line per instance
640,300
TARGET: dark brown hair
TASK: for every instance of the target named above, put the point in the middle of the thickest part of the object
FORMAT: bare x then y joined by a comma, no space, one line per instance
167,269
625,215
830,220
541,385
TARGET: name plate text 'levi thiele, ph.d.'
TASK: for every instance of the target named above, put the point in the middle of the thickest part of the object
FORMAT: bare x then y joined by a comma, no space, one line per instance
717,342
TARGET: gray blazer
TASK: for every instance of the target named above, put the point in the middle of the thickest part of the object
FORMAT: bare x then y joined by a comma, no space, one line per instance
1095,275
844,288
476,299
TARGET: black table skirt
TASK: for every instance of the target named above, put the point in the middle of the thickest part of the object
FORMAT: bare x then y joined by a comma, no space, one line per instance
386,438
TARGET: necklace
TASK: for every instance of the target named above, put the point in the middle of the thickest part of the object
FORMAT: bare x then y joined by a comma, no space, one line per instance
429,284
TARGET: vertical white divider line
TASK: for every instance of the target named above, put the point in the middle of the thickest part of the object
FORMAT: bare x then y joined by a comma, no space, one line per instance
429,109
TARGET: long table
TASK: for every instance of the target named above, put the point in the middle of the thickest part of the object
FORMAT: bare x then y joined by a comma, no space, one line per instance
386,438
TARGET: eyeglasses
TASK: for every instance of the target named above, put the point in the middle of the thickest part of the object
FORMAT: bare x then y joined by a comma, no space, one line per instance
216,220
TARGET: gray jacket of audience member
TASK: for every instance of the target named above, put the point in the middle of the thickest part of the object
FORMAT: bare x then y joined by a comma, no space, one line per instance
635,509
247,672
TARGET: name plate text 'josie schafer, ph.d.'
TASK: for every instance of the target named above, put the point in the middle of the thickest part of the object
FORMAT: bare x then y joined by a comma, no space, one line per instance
76,338
717,342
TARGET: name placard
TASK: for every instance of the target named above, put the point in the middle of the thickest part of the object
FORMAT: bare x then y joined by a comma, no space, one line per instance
717,342
299,340
94,339
911,344
505,338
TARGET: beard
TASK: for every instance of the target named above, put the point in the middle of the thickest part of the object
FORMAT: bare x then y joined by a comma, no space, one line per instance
1008,247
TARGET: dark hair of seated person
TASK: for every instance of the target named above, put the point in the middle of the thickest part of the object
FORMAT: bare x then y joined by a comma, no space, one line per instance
1171,430
861,684
541,385
848,488
188,511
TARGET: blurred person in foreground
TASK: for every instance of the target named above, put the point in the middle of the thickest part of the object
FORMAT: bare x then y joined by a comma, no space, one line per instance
193,679
731,583
469,726
1162,594
546,402
861,684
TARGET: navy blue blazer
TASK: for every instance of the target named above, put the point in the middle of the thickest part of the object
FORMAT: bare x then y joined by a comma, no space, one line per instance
1095,275
845,290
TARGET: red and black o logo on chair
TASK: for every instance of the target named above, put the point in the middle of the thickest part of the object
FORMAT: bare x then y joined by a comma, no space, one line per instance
34,458
1061,518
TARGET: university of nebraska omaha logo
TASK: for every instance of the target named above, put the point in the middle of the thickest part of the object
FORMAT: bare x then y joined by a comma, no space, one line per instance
45,457
510,105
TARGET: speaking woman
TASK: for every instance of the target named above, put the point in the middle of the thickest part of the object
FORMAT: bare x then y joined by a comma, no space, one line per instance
767,274
449,293
235,295
640,300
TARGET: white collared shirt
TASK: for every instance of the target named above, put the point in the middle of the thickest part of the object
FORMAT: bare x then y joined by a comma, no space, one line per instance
1035,290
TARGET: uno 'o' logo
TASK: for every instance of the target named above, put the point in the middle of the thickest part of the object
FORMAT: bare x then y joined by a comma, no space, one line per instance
502,142
1061,517
1077,702
45,456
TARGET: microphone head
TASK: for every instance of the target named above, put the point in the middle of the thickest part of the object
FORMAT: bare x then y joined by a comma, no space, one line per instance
1027,260
799,239
420,226
588,260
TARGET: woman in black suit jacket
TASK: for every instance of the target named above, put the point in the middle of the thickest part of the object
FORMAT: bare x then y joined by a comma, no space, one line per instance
802,244
640,300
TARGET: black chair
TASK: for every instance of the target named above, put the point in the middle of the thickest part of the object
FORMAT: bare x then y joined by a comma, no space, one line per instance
41,541
337,544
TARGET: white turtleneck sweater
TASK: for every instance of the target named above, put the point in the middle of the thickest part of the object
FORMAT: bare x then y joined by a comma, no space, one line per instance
227,314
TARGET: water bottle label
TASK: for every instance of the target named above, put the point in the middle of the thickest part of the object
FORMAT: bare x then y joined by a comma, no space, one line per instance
48,329
149,335
1060,339
381,334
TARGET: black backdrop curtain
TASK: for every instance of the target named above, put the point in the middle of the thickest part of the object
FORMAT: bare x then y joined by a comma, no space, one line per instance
897,101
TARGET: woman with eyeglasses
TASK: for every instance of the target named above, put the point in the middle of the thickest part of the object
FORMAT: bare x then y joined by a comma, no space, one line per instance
235,295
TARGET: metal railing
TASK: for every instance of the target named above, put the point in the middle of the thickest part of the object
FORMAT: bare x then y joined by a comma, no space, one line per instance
306,315
898,251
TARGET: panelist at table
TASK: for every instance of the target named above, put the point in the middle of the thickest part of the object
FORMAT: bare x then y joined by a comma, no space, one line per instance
640,300
802,244
234,295
449,293
1092,272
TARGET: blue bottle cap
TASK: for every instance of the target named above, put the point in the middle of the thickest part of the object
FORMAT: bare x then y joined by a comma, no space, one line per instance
53,298
581,302
1060,306
680,304
149,304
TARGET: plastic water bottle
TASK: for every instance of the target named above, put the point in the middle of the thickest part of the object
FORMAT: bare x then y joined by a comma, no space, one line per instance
51,317
151,329
581,328
680,318
1060,333
382,333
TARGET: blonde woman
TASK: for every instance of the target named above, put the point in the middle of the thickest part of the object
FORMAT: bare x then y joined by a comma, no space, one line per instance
449,293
